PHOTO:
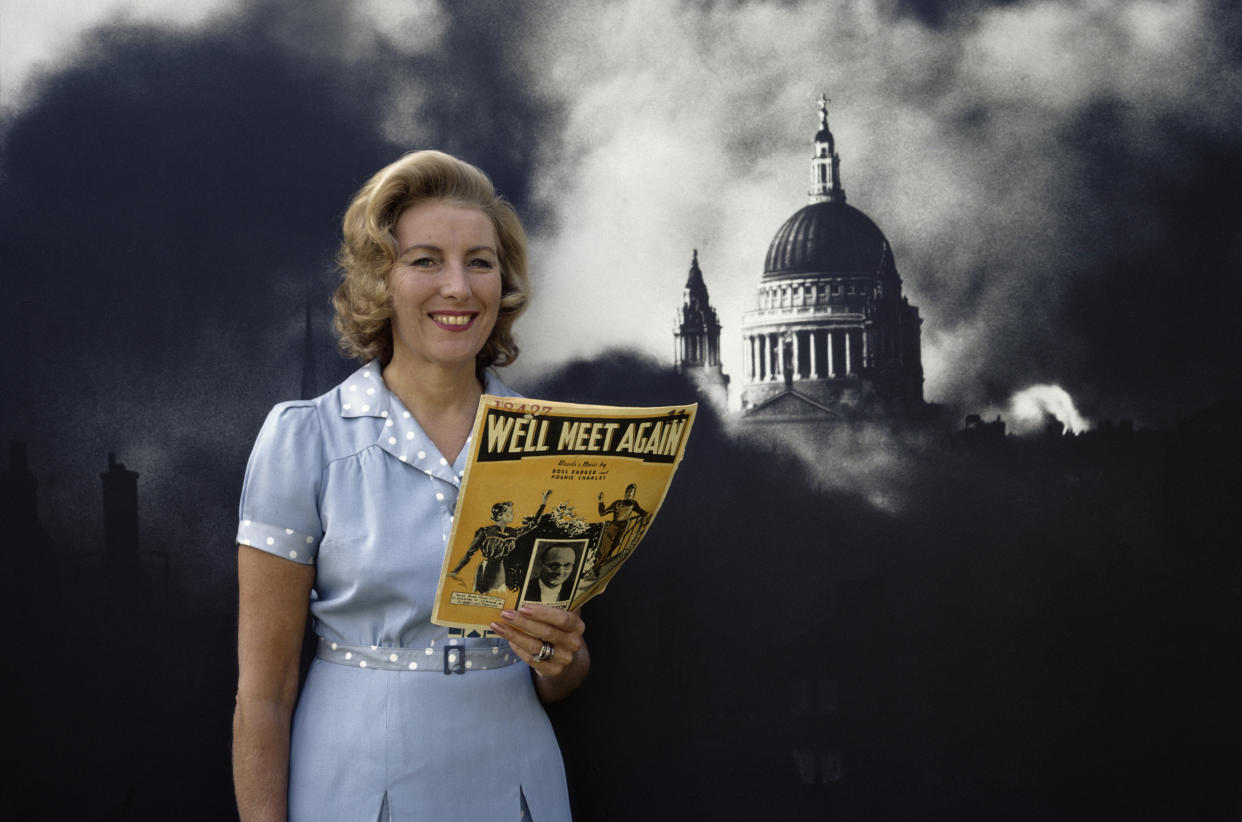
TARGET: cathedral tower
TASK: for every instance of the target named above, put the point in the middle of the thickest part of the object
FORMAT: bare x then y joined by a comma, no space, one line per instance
696,337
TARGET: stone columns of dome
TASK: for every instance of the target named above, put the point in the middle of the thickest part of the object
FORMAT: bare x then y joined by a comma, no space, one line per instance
811,345
797,363
866,348
849,365
832,368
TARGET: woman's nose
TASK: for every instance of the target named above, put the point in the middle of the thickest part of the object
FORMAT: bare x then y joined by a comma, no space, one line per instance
455,282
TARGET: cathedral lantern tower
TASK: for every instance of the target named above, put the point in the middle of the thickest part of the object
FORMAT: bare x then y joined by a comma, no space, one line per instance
830,335
696,337
826,164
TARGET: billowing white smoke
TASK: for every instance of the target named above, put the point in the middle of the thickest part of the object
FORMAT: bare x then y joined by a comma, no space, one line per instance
1030,408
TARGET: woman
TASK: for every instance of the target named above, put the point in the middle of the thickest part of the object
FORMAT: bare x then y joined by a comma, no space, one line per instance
347,505
497,543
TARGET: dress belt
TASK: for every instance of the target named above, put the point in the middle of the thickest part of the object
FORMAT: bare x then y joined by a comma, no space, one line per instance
448,659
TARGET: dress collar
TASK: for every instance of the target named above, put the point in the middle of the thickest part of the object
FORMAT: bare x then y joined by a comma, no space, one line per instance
364,394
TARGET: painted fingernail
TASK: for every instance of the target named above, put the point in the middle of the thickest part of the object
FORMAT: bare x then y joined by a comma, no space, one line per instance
508,614
526,609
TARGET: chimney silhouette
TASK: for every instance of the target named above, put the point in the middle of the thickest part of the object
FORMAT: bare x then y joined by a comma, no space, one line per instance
120,492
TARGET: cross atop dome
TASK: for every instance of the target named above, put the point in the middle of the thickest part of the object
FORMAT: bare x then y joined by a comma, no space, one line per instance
825,164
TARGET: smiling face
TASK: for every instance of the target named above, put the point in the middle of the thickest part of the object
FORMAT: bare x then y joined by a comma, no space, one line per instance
445,285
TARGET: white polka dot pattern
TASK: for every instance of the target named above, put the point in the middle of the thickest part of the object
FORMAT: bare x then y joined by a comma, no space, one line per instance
484,654
278,540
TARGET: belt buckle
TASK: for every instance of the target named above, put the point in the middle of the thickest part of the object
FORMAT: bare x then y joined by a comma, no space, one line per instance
454,659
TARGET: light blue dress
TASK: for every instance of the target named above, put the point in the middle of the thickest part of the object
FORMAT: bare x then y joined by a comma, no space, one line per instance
349,482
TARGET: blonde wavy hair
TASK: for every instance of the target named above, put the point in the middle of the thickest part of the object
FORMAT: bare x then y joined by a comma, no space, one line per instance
363,300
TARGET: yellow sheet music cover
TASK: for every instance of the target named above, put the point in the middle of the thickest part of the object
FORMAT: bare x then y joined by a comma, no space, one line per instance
555,497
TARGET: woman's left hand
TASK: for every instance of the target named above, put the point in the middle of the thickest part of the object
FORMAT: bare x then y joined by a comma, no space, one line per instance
531,625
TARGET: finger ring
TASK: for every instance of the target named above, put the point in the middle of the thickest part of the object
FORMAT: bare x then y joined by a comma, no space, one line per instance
545,652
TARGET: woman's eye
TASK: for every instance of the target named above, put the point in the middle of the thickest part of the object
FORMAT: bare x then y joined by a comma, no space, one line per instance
422,262
482,264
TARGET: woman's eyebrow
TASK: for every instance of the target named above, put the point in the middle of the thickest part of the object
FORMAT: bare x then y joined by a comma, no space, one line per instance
416,246
431,247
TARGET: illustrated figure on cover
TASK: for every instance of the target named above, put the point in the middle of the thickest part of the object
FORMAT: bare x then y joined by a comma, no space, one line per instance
627,515
496,542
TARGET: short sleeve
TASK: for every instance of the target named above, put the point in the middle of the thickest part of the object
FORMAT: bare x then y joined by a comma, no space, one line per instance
279,509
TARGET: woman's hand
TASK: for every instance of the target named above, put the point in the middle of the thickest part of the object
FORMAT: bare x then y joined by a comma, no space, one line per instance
527,628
